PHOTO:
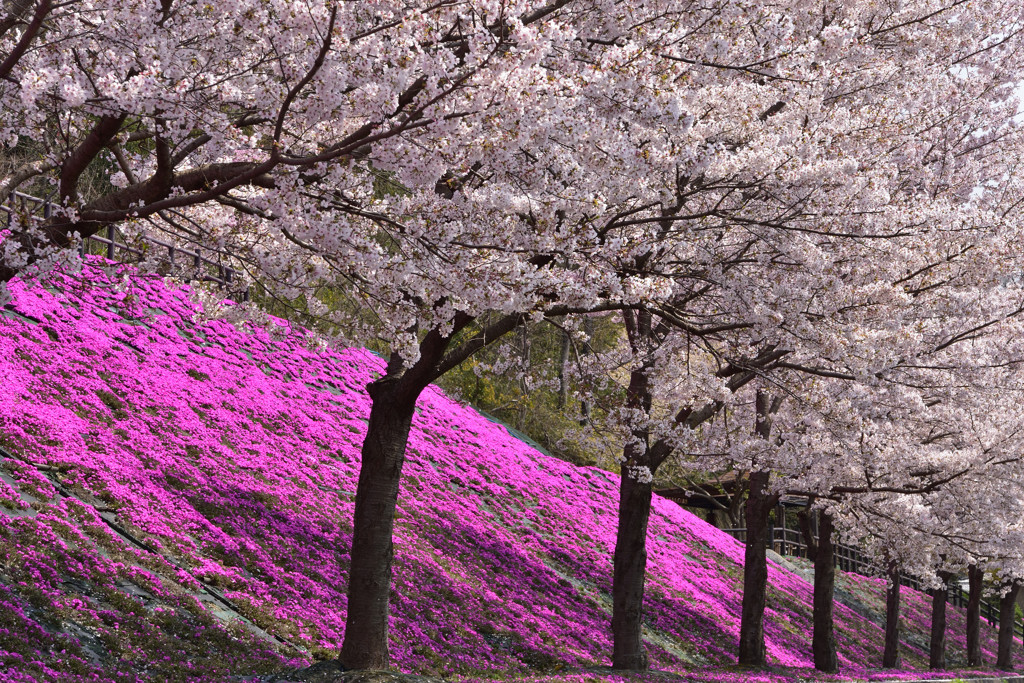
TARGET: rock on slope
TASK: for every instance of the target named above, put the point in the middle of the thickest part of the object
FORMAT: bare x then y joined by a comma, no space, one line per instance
177,495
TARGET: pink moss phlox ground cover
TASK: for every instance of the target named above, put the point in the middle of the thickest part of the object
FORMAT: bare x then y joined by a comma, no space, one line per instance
232,454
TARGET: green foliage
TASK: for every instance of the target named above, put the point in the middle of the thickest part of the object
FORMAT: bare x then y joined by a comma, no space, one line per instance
526,395
94,181
336,307
110,400
385,184
529,393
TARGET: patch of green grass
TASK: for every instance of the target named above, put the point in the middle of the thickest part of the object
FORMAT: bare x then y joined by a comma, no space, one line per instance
110,400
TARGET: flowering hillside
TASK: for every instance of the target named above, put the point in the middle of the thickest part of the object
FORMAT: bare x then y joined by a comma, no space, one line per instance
177,501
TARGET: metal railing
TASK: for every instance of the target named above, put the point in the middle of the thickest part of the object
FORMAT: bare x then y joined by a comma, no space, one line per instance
204,269
789,542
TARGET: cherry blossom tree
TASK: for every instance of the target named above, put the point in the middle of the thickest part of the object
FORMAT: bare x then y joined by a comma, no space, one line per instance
923,482
821,181
277,138
789,295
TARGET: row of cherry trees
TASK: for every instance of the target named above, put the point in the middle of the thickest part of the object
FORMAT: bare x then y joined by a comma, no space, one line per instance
804,212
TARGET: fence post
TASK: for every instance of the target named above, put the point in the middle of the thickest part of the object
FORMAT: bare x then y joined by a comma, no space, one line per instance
781,513
110,246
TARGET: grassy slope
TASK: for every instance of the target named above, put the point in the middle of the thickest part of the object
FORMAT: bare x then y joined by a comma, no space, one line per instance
177,496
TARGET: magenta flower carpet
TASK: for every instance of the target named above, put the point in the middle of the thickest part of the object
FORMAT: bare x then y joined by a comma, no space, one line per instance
176,499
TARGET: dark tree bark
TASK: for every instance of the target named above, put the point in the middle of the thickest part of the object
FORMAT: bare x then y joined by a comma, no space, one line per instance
563,363
755,563
393,403
974,579
28,35
823,641
737,504
891,656
630,559
588,330
524,389
630,569
937,646
1004,655
804,520
755,572
383,453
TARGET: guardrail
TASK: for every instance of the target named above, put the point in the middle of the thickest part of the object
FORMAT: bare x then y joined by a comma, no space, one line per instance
204,269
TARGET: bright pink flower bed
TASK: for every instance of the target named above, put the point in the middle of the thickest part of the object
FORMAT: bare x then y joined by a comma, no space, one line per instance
232,455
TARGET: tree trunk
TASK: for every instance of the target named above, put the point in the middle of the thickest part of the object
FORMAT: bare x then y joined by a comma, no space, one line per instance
393,403
563,379
804,520
630,560
937,647
588,330
524,386
891,657
630,569
737,502
755,572
974,579
824,641
1004,656
369,584
755,563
